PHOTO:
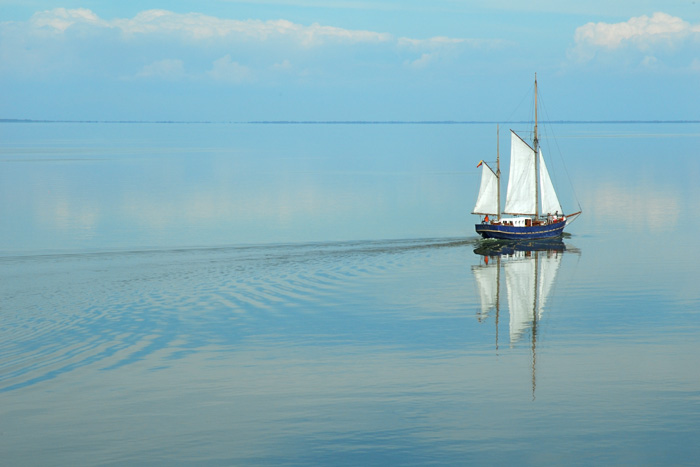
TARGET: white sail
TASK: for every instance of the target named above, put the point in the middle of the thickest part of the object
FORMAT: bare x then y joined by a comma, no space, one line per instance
549,265
487,201
487,282
520,281
549,201
520,197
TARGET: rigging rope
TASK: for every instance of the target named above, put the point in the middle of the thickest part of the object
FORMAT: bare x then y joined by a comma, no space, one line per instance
556,143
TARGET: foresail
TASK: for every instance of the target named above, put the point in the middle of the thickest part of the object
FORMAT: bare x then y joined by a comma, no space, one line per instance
520,196
550,202
487,201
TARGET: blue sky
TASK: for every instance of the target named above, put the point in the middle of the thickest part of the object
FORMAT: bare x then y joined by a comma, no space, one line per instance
348,59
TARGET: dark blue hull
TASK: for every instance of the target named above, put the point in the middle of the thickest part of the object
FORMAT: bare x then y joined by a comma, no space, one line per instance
510,232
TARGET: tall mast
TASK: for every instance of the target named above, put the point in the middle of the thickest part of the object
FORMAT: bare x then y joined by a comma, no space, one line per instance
535,141
498,171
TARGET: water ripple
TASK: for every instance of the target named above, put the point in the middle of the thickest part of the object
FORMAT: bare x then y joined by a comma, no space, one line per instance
111,309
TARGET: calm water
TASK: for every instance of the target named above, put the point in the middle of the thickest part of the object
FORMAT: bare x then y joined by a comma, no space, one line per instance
315,294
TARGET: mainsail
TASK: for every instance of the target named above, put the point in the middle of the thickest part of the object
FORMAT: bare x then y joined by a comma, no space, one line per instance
522,182
487,201
520,197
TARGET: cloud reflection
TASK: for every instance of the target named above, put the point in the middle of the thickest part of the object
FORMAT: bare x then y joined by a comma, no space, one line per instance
640,207
64,213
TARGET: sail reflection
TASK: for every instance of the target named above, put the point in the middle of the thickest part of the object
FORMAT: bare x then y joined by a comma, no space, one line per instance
530,269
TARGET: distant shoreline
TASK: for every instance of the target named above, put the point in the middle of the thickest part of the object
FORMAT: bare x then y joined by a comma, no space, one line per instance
344,122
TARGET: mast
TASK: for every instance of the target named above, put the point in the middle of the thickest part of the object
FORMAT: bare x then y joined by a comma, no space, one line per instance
537,172
498,171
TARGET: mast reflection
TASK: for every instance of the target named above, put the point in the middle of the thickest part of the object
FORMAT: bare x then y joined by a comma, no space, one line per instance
530,269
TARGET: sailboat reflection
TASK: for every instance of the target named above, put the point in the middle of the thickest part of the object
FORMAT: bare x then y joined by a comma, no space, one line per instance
530,269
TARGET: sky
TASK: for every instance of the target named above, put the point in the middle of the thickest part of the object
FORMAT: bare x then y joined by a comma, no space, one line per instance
340,60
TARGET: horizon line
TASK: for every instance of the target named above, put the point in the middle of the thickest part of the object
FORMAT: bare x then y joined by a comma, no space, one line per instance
336,122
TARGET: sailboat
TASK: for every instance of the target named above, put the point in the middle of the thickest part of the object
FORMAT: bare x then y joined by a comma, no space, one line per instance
530,195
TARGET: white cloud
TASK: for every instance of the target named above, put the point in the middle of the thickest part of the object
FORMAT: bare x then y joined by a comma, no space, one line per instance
650,62
227,70
646,34
316,33
421,62
165,69
60,19
428,52
164,45
695,65
442,42
197,27
284,65
641,30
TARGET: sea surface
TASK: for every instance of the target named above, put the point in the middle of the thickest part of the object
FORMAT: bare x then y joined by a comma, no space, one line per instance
315,294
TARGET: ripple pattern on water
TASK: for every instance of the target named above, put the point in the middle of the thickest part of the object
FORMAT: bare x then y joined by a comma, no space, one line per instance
64,312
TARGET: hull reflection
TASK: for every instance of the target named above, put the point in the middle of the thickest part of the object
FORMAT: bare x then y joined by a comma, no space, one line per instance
503,247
